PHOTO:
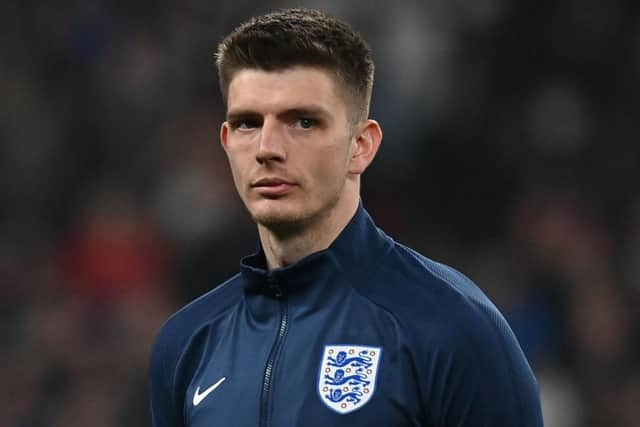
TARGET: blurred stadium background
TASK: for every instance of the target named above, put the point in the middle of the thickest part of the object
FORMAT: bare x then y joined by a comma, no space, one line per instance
511,152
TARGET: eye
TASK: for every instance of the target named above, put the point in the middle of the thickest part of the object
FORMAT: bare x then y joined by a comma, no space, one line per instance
305,123
246,124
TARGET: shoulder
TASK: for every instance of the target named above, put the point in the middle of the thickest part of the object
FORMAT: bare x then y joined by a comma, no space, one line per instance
461,343
175,333
171,343
439,309
410,285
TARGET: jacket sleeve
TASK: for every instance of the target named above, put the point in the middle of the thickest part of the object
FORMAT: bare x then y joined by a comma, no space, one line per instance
165,407
479,375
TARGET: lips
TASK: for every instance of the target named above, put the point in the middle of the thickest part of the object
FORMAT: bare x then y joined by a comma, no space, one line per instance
271,182
272,186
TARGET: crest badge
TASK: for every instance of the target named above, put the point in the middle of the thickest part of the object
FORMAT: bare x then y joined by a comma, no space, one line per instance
347,377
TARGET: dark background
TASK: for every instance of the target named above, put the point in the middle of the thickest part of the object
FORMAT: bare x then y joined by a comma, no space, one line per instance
510,152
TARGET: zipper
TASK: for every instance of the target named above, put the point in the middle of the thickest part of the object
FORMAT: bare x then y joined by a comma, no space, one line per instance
275,351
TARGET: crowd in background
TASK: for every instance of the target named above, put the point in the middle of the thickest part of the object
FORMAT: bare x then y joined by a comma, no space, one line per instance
510,152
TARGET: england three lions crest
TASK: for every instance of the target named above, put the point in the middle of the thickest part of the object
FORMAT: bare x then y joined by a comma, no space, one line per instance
347,377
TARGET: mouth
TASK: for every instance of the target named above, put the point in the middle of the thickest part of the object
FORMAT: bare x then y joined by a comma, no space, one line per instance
272,186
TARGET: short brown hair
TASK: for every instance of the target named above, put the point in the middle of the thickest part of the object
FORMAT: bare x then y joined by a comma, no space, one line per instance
300,37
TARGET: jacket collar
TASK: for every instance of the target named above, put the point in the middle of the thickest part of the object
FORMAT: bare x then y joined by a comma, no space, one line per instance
359,245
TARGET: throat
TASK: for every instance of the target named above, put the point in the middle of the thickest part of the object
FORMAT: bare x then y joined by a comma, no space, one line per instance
283,249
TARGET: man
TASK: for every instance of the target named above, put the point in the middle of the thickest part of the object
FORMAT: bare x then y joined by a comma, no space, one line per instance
331,323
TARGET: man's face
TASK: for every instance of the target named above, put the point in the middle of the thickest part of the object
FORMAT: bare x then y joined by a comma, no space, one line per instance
289,143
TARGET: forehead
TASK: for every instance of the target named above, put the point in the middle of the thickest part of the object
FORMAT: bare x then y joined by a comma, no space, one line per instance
291,88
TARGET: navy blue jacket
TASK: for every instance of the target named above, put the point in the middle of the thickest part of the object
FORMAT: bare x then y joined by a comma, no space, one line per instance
365,333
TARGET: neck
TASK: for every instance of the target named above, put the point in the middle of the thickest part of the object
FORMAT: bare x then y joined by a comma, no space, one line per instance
282,249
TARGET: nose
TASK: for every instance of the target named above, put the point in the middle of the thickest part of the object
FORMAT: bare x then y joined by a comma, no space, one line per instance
270,145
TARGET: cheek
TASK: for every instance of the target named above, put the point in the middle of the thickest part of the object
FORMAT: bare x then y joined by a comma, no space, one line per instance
238,169
330,168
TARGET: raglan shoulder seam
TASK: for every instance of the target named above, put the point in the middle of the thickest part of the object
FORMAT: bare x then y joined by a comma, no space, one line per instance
490,314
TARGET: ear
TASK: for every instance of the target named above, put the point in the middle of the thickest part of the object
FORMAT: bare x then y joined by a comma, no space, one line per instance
365,142
224,134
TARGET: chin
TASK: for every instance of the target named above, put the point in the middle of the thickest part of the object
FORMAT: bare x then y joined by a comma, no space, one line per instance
277,217
288,216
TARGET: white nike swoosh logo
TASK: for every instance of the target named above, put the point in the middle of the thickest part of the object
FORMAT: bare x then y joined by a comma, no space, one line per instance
199,397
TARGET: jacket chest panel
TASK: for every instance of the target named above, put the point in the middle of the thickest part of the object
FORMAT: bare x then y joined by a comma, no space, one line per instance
344,376
320,376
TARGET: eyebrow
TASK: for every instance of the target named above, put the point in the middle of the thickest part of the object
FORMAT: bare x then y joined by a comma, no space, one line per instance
311,110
